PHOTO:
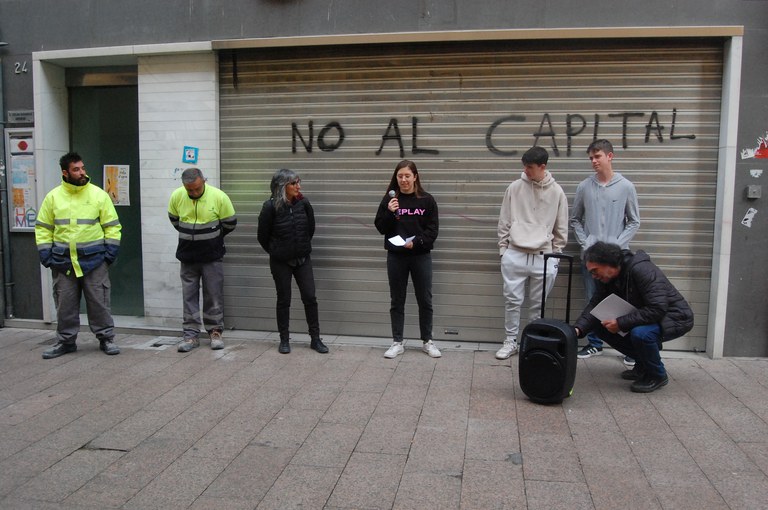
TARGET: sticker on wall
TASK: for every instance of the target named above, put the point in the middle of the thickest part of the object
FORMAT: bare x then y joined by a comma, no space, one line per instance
190,154
759,152
747,221
756,172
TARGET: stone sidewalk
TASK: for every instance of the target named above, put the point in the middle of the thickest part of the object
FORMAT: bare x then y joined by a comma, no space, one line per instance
247,428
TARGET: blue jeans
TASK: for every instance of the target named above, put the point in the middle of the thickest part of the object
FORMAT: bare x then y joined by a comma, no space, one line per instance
643,343
589,288
420,269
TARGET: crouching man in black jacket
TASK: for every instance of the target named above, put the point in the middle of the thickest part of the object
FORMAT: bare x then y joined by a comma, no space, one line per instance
661,314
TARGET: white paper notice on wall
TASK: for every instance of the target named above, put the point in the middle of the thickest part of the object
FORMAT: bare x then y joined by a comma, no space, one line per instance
756,172
747,221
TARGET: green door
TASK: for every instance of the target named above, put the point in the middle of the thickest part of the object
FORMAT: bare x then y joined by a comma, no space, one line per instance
104,130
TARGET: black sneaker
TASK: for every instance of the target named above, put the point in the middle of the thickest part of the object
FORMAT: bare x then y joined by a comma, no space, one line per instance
60,349
632,375
589,351
318,345
109,347
649,383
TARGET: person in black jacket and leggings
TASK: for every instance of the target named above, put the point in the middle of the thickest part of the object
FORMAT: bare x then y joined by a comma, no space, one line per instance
408,214
286,227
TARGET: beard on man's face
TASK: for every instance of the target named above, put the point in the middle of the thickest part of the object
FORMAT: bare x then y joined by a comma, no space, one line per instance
77,181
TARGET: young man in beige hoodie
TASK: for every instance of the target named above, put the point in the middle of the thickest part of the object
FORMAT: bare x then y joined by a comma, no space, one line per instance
533,221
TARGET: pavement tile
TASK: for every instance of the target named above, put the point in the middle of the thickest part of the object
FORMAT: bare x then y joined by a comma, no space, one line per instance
492,440
490,484
352,407
301,487
179,484
329,445
690,497
315,396
742,490
546,495
427,490
613,486
67,475
246,427
130,432
716,453
436,451
370,480
21,411
249,476
370,378
289,428
666,462
549,457
388,433
492,395
758,453
10,446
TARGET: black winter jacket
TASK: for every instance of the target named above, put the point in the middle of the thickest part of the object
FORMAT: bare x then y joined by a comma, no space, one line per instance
644,285
286,234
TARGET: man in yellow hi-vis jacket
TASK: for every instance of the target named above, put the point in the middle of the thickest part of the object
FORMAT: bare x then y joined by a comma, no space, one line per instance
203,215
78,236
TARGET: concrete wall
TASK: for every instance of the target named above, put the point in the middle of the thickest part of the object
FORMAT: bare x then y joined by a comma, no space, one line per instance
178,106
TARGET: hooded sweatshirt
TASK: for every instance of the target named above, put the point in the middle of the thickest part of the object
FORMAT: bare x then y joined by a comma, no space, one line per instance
534,216
605,212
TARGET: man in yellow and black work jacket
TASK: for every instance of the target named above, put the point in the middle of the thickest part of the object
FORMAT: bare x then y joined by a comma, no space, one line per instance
203,215
77,232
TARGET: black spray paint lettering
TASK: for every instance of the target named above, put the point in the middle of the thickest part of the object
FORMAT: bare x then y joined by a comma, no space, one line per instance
575,124
396,136
321,143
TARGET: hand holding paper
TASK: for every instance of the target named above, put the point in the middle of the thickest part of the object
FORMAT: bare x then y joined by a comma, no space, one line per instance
399,241
611,308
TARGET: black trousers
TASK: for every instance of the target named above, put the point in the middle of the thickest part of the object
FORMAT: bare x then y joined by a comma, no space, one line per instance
419,267
283,273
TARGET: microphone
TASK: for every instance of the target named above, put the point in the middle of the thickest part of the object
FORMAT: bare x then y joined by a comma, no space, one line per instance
392,194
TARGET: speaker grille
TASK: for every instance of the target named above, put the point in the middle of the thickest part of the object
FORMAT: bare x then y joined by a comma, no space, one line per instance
541,375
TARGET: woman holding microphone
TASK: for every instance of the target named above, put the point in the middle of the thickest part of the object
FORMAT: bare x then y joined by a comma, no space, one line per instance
408,219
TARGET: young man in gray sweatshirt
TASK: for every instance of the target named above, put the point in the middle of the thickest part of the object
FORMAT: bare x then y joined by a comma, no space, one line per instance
604,209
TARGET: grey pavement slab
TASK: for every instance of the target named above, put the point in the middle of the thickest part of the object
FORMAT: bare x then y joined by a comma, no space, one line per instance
246,427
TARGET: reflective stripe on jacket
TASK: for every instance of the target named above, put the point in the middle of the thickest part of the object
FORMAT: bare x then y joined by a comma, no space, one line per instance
202,223
77,228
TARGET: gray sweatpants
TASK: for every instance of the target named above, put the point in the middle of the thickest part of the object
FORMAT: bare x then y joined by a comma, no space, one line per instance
67,290
211,276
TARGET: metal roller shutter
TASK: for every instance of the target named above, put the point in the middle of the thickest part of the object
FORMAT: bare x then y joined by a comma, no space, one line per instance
464,113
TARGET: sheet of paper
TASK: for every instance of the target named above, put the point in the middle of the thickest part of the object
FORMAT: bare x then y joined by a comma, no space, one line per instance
399,241
612,307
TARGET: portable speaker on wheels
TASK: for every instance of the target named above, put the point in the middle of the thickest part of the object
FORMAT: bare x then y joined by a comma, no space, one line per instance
548,351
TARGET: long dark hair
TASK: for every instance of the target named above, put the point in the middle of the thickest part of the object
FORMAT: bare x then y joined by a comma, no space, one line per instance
279,181
412,167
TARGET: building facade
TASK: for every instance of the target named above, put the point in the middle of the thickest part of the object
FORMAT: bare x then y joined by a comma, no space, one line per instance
342,92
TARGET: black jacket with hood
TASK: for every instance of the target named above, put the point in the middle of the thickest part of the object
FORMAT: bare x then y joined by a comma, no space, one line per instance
641,283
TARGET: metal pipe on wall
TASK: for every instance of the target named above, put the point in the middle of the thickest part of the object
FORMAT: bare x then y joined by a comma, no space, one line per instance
6,300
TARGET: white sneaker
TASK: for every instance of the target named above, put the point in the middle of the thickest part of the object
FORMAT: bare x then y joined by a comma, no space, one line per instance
508,349
430,349
396,350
